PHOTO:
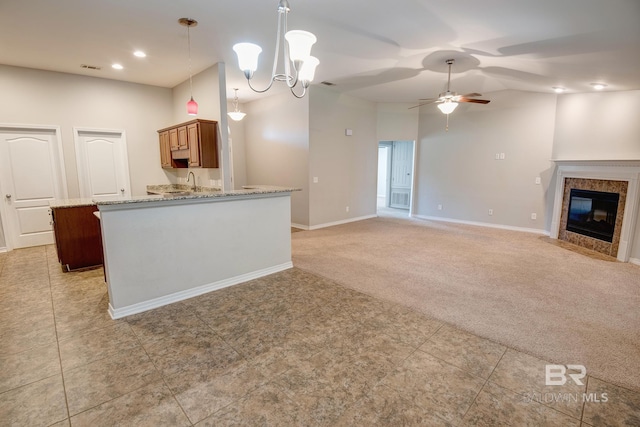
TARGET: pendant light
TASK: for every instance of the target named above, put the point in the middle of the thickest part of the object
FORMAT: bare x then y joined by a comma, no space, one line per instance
192,106
236,114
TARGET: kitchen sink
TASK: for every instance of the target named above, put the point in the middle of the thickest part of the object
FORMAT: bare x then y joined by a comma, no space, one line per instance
174,193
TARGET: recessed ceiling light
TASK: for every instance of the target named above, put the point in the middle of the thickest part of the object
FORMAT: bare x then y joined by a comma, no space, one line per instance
139,54
117,66
558,89
598,86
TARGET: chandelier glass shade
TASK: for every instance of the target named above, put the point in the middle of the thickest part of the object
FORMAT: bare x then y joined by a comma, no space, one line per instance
299,65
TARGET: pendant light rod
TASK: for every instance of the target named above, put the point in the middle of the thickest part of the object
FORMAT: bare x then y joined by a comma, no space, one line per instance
192,106
450,62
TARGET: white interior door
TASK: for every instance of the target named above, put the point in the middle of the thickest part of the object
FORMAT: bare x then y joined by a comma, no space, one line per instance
401,174
31,175
103,166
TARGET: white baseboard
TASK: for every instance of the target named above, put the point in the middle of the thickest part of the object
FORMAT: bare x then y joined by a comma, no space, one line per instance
635,261
482,224
344,221
118,313
3,250
300,226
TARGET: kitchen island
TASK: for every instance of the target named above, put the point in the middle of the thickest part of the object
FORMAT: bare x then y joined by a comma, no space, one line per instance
159,250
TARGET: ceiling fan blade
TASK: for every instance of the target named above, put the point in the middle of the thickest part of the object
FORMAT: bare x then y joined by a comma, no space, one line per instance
428,99
420,105
477,101
467,95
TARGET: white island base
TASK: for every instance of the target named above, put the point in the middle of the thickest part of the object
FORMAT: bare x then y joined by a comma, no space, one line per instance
158,251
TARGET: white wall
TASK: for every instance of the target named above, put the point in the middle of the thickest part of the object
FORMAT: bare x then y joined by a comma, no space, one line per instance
598,126
458,169
206,92
236,135
346,166
276,131
396,122
43,97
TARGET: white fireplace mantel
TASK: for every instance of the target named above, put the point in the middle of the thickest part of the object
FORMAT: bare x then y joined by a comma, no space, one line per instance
617,170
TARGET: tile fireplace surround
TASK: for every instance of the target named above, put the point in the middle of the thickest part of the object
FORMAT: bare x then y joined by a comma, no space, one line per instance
615,176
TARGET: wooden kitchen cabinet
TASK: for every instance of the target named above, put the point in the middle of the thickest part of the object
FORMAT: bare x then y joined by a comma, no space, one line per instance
173,138
183,139
78,236
191,144
165,150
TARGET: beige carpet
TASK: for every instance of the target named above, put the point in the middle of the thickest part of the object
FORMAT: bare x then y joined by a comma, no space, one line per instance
507,286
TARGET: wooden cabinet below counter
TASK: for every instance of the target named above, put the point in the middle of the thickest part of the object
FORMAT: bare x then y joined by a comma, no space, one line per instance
190,144
78,236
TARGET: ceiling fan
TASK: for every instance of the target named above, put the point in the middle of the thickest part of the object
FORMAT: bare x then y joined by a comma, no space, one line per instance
448,101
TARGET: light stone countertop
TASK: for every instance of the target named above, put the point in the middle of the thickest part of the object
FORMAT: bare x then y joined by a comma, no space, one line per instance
70,203
163,192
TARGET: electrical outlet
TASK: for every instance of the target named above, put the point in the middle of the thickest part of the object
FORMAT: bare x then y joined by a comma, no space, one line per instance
315,179
497,156
347,208
439,207
490,211
538,180
502,156
534,215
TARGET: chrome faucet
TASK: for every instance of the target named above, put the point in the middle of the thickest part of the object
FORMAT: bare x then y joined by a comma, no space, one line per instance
194,179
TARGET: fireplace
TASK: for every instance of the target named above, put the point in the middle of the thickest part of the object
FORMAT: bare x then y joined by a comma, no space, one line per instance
596,205
593,213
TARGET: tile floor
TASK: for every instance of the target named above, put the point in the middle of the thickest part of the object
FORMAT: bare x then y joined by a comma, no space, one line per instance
291,349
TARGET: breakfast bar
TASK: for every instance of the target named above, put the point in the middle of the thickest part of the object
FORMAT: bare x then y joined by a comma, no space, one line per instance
161,249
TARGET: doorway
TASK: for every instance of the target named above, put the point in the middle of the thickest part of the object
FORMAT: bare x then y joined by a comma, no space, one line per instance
395,177
31,175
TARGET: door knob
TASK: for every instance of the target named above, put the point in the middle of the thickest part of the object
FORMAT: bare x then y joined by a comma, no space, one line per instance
8,196
122,190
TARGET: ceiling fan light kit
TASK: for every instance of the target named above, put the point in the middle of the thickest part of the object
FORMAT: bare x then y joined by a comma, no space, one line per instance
448,101
447,106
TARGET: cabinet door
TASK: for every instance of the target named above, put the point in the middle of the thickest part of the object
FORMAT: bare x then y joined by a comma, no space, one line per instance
173,139
183,139
193,131
78,237
165,149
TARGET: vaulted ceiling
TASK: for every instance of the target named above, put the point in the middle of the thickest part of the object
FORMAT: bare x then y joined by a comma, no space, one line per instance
377,50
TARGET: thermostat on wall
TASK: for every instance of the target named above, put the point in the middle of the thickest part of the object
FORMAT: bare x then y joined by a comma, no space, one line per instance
348,132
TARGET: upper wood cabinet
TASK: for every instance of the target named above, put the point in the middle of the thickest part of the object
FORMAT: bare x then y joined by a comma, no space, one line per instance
173,138
183,141
191,144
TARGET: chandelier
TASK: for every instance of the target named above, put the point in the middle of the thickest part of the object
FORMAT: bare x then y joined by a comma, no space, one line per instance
296,46
236,114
